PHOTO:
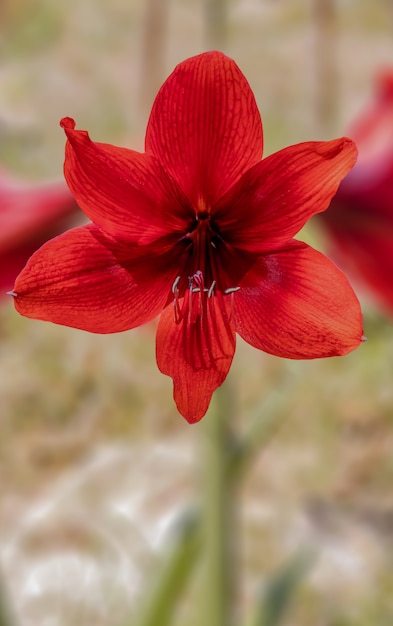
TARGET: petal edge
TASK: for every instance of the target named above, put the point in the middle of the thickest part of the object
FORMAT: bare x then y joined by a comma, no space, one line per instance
81,279
297,304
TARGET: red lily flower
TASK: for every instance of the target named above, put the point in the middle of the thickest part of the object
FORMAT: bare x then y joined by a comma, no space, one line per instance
30,214
359,221
200,230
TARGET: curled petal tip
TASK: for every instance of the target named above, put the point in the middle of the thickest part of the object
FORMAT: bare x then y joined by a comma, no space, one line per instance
332,149
12,293
384,81
67,123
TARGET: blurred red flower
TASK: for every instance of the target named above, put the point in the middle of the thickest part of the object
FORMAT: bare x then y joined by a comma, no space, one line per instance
30,214
359,221
199,230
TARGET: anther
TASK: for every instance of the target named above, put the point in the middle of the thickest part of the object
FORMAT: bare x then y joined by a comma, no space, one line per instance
11,293
231,290
175,284
195,290
211,289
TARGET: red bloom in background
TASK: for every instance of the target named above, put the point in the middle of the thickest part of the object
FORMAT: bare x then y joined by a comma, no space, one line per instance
359,221
30,214
199,230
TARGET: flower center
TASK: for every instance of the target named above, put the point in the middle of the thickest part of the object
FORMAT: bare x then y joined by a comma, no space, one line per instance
204,277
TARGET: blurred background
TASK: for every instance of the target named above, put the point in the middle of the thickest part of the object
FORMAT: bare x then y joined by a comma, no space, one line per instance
95,462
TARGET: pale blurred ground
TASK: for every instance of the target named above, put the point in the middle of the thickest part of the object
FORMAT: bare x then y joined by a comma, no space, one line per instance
94,460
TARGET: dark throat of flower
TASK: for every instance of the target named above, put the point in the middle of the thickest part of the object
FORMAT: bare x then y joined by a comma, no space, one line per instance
203,297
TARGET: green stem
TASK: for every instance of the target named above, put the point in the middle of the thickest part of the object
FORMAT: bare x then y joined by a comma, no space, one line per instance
264,423
160,602
218,513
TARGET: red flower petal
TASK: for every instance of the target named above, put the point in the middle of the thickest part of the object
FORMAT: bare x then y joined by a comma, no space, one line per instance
197,353
124,192
26,210
13,261
30,214
362,246
366,193
359,221
273,200
83,279
205,127
297,304
372,129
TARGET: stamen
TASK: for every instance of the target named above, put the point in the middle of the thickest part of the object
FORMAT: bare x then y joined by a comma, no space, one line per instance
175,284
11,293
231,290
195,306
211,290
